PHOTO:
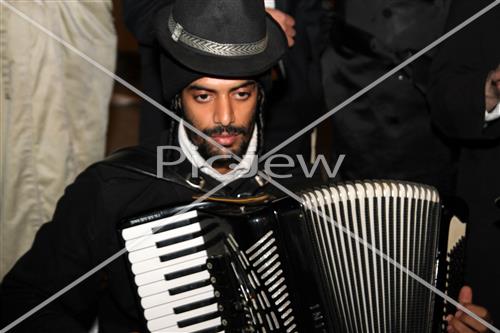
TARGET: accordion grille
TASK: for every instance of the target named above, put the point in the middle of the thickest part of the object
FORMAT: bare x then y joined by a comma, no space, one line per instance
364,291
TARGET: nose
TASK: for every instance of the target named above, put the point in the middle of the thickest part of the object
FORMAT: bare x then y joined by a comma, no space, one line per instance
224,114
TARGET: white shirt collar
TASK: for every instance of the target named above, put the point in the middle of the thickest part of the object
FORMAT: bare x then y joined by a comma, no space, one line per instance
191,153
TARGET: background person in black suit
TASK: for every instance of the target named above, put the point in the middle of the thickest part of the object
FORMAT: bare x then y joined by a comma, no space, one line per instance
463,88
386,133
297,92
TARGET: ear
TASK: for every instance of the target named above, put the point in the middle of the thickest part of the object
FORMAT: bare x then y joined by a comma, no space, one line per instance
261,97
177,104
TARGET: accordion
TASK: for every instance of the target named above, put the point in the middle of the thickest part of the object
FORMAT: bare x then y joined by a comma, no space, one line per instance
285,266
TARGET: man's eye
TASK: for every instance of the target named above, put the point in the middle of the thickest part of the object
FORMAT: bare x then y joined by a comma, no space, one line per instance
242,95
202,98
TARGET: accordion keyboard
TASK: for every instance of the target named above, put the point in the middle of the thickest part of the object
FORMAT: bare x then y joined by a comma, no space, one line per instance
168,260
289,267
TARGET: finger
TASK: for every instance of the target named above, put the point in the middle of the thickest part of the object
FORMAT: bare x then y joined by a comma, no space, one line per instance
289,20
449,328
290,33
472,322
270,11
277,15
282,24
459,326
465,295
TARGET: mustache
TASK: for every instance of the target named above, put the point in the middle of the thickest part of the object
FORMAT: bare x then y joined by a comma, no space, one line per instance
230,130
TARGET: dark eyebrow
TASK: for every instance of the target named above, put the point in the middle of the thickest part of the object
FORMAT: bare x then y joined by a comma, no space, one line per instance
197,87
244,84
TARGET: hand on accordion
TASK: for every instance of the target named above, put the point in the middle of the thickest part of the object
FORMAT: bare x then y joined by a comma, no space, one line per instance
463,323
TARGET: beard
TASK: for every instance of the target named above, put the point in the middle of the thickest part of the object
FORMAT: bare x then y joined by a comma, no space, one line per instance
207,149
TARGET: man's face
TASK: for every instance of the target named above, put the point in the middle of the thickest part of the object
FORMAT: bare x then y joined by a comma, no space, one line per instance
224,110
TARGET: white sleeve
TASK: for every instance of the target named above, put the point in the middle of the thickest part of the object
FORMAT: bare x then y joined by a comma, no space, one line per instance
494,114
270,3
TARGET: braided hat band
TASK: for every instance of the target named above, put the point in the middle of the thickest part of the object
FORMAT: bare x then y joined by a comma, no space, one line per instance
211,47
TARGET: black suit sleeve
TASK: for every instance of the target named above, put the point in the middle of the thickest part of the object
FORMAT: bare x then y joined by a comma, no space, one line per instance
61,253
459,75
312,15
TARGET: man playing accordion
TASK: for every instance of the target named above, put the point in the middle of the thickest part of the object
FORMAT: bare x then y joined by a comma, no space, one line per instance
216,59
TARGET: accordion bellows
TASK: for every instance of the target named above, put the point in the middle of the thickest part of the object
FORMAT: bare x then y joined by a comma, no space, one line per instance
400,222
329,264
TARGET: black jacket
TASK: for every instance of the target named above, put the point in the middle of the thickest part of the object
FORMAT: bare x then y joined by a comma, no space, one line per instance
387,132
84,233
458,109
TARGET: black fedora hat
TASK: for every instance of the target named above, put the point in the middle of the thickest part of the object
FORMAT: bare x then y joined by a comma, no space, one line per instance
222,38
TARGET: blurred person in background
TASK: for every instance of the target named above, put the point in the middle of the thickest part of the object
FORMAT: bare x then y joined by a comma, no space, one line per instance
464,96
386,133
54,110
297,94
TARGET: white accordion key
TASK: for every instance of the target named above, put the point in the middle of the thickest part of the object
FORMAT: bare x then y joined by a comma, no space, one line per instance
157,252
195,328
147,265
170,323
195,259
147,228
165,297
212,323
155,263
166,309
157,287
153,239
